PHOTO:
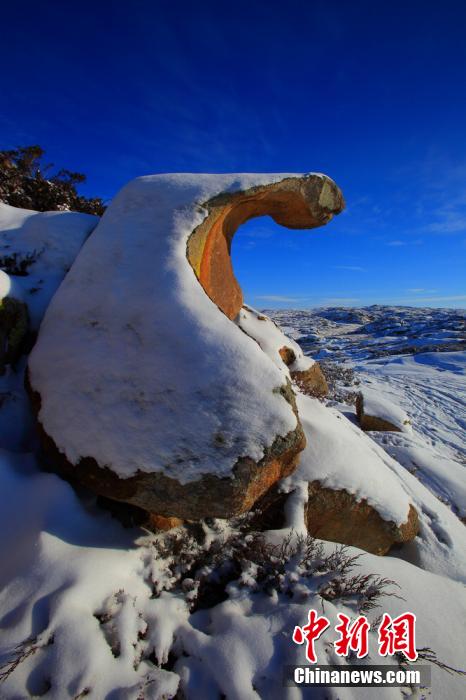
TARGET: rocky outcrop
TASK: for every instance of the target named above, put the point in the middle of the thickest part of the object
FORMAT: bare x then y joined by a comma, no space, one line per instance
14,323
170,501
337,516
294,202
371,422
287,354
311,381
144,389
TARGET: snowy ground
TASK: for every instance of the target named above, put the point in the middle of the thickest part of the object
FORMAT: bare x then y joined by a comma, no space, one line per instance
91,609
413,359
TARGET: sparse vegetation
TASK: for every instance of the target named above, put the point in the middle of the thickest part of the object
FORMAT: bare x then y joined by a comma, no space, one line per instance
25,183
340,379
298,566
20,653
18,263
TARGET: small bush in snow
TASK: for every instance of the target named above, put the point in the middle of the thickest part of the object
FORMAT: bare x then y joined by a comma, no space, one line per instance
296,568
18,263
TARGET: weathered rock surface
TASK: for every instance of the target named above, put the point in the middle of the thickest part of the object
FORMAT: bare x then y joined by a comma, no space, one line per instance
14,324
311,381
369,422
337,516
145,391
170,501
294,202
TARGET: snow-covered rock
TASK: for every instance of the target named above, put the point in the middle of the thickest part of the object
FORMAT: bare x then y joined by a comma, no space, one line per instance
83,611
38,248
376,412
282,350
341,472
145,390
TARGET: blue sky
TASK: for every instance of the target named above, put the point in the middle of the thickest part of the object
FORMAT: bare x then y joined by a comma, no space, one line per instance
371,93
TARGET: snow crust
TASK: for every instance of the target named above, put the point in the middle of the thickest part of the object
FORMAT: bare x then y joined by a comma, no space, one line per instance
379,406
147,373
53,240
271,339
79,585
431,388
64,568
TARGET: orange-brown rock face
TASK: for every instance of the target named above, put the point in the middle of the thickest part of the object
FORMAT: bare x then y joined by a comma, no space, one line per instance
312,381
288,355
368,422
296,202
159,522
166,499
338,517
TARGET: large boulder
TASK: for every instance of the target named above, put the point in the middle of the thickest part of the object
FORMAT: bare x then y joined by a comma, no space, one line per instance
338,516
375,412
311,381
349,484
145,389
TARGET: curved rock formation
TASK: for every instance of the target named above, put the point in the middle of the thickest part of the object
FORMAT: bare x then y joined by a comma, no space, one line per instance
294,202
144,390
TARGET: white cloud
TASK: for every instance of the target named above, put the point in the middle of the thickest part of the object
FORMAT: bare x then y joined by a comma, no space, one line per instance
277,297
351,268
338,301
448,221
458,297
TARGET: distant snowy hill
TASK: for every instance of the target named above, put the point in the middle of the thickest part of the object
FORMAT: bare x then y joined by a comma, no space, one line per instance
412,359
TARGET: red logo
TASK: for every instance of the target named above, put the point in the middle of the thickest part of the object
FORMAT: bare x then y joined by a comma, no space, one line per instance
311,632
398,635
395,635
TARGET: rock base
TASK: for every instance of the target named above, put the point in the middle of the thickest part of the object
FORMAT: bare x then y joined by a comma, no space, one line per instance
368,422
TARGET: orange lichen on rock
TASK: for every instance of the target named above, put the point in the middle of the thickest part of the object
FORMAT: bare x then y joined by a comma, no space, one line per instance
288,355
311,381
295,202
338,516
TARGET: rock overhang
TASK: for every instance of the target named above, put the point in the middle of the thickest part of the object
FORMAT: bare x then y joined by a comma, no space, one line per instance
137,371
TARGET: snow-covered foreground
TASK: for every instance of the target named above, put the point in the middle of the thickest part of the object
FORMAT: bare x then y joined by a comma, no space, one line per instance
91,609
83,605
82,608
